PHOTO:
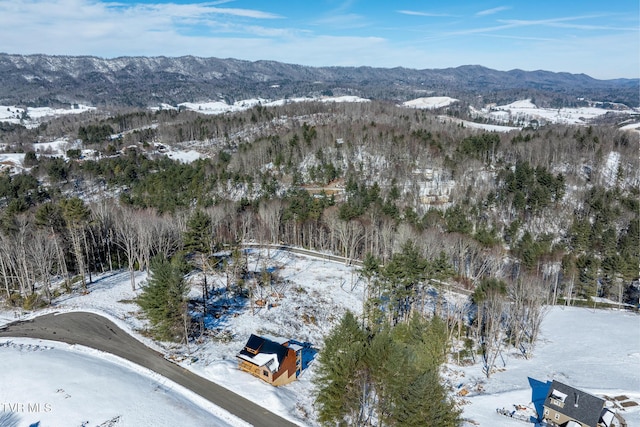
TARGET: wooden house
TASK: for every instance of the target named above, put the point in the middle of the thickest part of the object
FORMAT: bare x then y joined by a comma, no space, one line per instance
272,359
566,406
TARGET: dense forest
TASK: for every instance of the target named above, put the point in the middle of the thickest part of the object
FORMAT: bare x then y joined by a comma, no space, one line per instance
557,203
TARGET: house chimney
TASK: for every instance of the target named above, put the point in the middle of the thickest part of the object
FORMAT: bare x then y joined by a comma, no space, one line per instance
577,397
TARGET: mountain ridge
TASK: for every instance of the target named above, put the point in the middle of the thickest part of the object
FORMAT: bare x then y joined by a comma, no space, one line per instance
40,79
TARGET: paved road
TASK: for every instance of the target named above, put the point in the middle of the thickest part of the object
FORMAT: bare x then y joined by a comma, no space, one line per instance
92,330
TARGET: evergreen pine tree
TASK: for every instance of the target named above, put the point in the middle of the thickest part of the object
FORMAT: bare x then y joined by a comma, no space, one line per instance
390,378
163,300
198,236
199,239
340,366
424,402
390,364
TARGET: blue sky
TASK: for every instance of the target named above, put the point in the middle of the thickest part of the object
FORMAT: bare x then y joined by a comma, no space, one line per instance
598,38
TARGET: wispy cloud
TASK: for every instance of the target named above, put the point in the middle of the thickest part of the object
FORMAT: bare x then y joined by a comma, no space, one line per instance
561,23
347,20
509,37
515,23
492,11
73,23
341,17
344,7
525,22
203,9
427,14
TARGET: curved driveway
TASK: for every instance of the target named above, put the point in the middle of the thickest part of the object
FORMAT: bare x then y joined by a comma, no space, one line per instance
92,330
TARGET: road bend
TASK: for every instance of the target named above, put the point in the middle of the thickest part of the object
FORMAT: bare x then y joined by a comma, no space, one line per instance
95,331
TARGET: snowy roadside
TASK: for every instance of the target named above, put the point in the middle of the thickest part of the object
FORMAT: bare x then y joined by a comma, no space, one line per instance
54,383
317,293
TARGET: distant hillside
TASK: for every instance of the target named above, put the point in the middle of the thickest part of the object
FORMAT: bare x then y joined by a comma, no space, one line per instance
41,80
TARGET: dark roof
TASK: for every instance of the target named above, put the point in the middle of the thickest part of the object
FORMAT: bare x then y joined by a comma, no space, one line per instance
578,405
257,344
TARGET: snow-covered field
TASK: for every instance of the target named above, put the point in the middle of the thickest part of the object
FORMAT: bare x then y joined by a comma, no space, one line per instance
430,102
33,116
55,384
598,351
635,127
474,125
524,112
220,107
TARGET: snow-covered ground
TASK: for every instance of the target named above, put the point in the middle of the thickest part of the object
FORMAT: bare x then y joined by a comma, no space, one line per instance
184,156
32,116
474,125
57,147
220,107
524,112
54,384
313,295
633,127
11,114
12,162
430,102
598,351
610,169
40,112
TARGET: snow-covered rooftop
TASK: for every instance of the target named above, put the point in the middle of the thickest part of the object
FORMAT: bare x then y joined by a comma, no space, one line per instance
268,360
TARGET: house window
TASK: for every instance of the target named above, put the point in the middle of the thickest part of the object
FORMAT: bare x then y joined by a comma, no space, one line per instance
265,373
546,411
556,416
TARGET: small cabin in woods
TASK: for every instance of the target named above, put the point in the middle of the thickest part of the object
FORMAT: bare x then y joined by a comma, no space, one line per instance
272,359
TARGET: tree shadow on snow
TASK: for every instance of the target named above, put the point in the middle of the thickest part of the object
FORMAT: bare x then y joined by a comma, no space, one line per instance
9,419
220,308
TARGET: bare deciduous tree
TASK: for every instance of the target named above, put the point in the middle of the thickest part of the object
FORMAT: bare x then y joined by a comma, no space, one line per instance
527,295
489,298
127,238
166,237
76,214
349,233
43,253
270,212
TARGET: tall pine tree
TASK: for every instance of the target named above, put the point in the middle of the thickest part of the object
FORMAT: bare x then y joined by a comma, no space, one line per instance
389,377
198,239
338,390
163,300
